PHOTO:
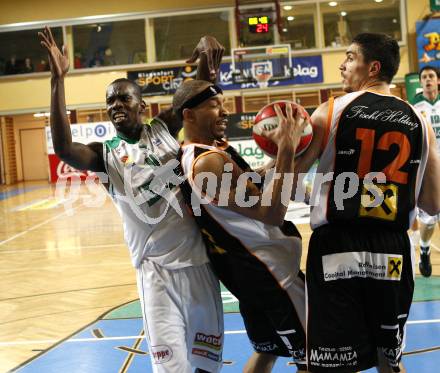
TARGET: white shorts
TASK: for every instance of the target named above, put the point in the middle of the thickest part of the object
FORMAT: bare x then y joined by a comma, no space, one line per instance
428,219
183,317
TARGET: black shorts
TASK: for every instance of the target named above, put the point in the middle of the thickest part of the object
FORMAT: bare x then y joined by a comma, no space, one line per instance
270,317
271,329
360,284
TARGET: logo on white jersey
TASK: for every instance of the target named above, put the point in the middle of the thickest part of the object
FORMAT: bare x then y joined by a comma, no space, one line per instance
159,186
161,354
212,341
156,141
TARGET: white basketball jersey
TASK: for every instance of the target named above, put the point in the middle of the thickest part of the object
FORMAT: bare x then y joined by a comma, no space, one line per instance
141,185
431,112
280,252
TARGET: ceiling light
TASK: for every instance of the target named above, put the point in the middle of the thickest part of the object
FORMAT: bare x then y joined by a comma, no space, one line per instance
393,86
332,3
288,7
290,18
378,1
284,30
394,20
343,14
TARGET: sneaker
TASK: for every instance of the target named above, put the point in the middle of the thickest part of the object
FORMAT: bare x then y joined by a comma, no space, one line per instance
425,266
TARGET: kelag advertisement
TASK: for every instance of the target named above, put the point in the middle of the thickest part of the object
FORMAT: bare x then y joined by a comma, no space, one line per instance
165,81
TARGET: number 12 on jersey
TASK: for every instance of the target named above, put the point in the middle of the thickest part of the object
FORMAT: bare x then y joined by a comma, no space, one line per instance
392,171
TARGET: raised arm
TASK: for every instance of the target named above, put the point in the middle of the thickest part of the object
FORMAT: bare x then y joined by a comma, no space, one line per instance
173,123
313,152
271,204
80,156
210,53
319,123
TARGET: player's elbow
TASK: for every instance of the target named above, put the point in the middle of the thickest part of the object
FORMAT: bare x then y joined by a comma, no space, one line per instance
64,154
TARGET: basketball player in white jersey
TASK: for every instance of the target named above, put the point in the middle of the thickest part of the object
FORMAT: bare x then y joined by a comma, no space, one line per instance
360,271
428,104
179,294
255,253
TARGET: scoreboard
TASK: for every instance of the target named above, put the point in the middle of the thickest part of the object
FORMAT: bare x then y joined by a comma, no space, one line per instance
259,25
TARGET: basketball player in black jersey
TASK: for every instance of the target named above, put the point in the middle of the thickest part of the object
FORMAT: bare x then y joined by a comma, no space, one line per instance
255,253
359,275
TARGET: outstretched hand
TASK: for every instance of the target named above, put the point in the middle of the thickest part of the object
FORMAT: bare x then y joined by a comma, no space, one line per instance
213,50
58,61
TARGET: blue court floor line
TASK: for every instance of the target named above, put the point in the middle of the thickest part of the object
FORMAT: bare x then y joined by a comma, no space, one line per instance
17,191
107,356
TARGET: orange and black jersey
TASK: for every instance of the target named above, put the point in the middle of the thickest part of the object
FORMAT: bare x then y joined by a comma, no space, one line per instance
257,262
371,133
227,230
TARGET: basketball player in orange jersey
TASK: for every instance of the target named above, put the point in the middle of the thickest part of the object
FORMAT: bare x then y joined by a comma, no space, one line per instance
360,270
255,253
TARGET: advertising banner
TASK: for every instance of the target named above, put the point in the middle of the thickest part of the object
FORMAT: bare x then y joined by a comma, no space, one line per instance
306,70
165,81
412,86
251,153
162,81
84,134
428,42
240,126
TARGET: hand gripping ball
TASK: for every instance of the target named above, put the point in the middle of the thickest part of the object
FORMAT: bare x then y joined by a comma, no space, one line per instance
267,119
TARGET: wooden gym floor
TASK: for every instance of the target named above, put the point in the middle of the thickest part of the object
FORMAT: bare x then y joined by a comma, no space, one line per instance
60,269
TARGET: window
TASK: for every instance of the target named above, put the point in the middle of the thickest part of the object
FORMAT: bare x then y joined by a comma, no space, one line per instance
399,91
21,52
176,36
298,26
336,92
345,19
254,103
229,104
308,99
108,44
91,115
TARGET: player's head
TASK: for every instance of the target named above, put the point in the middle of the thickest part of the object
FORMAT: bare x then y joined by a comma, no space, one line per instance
369,58
124,105
429,79
200,106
